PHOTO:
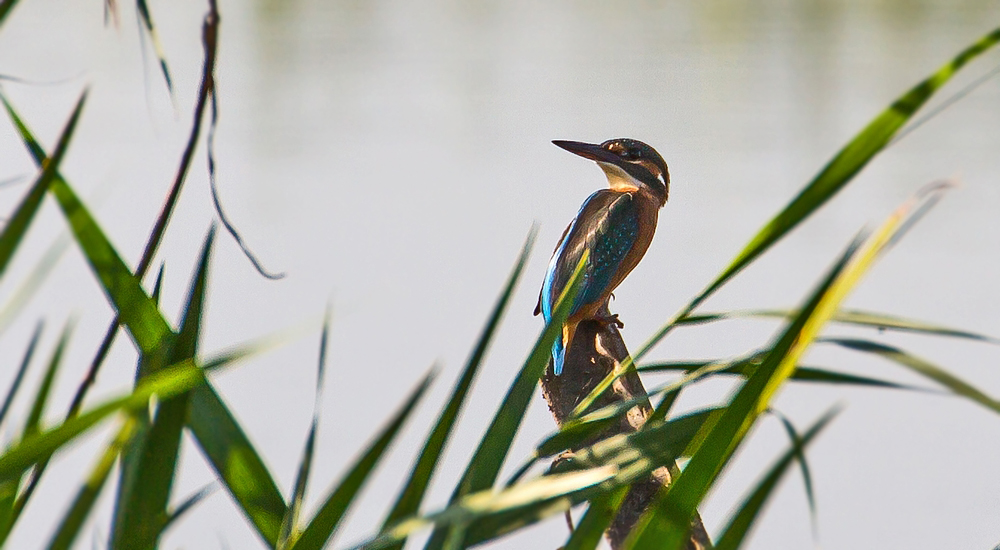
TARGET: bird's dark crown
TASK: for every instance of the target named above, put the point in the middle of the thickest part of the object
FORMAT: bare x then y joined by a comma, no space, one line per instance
638,161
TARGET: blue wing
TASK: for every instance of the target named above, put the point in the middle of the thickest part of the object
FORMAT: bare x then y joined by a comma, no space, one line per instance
608,226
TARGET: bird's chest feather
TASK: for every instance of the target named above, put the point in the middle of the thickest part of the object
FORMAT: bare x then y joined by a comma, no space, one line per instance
631,240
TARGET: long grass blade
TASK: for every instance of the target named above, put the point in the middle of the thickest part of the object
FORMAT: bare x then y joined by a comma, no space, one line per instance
486,503
633,457
136,309
880,321
19,221
741,522
36,474
323,525
189,503
577,430
32,427
209,35
588,532
488,459
9,488
603,468
142,10
30,285
800,456
34,419
413,491
5,7
920,366
215,428
801,374
682,430
83,504
236,462
580,429
291,519
666,523
164,384
19,377
618,461
141,509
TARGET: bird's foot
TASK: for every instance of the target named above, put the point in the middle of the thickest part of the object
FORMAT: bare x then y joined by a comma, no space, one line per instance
609,320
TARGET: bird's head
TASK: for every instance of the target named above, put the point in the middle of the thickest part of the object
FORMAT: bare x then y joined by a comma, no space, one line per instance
629,164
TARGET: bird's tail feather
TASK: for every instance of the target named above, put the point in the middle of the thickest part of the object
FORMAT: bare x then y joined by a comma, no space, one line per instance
560,346
558,355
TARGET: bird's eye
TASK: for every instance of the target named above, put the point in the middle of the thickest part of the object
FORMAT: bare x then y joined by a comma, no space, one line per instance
633,154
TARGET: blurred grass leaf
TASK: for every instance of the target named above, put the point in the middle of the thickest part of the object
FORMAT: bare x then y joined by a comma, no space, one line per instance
486,503
146,18
291,519
485,464
323,525
667,521
19,377
880,321
137,310
921,367
9,488
34,420
189,503
600,513
216,430
799,445
18,223
32,282
164,384
744,367
236,462
144,493
71,523
5,7
599,469
740,523
32,426
409,499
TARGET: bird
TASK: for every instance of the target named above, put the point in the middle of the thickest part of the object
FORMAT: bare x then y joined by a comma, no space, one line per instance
615,225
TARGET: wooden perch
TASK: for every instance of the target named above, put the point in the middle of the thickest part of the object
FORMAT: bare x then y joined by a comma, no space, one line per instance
597,350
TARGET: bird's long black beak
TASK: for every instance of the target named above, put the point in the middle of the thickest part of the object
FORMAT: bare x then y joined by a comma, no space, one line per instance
588,151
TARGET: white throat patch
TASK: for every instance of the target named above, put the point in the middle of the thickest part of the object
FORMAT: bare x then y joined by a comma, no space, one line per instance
619,179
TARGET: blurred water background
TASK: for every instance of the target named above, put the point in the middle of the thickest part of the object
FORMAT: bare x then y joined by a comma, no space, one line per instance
391,156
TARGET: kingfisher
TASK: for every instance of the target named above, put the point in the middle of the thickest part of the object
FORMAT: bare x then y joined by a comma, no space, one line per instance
616,225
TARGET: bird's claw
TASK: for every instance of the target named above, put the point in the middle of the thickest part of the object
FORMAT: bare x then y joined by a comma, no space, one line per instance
612,320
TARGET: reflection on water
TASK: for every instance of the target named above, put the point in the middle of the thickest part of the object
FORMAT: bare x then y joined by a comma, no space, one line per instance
394,154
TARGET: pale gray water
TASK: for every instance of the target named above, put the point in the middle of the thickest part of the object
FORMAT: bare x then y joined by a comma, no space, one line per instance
391,156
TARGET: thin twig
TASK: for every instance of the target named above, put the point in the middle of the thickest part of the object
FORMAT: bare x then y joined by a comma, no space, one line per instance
218,205
209,32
